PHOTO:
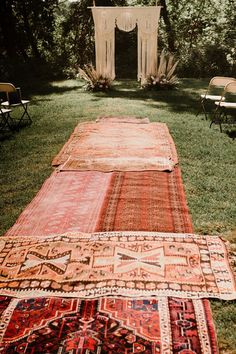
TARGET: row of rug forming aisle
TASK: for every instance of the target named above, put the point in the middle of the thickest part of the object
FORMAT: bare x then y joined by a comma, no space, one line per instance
104,258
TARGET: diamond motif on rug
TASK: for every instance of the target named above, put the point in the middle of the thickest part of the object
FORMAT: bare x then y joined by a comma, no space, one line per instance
116,263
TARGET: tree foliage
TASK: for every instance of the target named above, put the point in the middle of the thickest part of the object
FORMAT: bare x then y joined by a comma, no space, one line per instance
26,32
200,30
55,37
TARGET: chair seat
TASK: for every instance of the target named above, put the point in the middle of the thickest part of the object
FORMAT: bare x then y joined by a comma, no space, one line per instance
211,97
226,104
3,110
6,103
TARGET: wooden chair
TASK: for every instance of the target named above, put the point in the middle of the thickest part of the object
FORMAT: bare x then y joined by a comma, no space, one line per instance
13,100
226,105
213,93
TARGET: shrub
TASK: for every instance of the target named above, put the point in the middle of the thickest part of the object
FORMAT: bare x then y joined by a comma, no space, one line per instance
94,81
165,77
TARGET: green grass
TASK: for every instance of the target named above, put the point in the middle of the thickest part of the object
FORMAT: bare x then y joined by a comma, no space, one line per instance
207,157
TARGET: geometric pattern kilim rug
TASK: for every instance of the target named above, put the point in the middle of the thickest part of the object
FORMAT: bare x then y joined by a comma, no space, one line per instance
133,264
107,325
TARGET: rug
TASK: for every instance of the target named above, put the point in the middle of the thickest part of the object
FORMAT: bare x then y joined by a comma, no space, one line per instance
32,325
133,264
122,119
94,201
66,202
145,201
124,326
121,147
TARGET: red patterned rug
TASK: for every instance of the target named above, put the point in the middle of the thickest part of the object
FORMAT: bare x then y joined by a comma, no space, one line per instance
124,326
67,202
145,201
118,147
133,264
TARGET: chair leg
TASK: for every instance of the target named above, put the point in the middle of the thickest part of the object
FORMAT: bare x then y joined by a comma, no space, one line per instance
199,109
4,123
218,119
23,115
220,122
202,108
216,115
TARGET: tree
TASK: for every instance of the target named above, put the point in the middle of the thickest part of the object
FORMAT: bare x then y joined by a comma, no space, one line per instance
8,29
60,34
26,31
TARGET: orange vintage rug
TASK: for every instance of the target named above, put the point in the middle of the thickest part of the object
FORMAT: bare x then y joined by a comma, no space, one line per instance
118,147
145,201
133,264
122,326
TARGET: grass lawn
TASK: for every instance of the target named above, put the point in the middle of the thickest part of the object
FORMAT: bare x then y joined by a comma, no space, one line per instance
207,157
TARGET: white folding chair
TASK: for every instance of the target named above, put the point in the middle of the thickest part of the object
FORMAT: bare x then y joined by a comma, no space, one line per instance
226,105
13,100
213,93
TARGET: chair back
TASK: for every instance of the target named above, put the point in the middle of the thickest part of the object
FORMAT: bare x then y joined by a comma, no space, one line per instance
229,93
7,87
12,94
217,84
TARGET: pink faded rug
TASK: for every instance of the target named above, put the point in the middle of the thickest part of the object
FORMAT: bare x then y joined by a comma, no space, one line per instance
67,202
118,147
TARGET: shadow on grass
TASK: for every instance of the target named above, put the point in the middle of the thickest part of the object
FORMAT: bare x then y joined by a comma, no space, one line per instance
44,88
5,136
231,133
185,98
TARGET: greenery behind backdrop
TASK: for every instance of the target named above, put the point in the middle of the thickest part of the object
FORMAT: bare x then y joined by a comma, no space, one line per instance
52,38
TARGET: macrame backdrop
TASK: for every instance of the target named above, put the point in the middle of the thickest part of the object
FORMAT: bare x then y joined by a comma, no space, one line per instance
126,19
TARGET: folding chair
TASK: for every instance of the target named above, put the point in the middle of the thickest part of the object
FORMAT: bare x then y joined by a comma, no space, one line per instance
213,93
226,105
13,100
5,118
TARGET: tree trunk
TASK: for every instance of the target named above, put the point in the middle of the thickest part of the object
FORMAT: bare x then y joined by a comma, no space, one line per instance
30,36
8,29
169,29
